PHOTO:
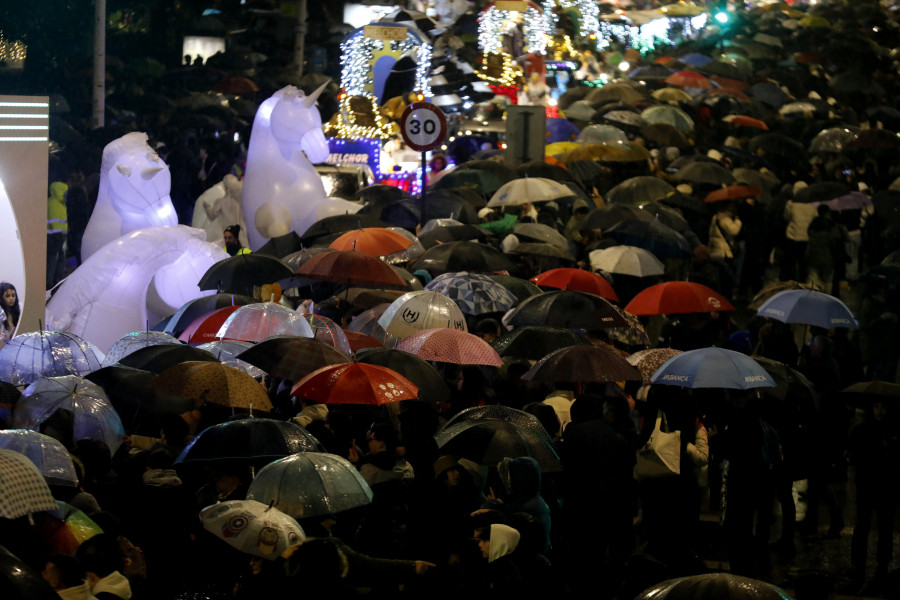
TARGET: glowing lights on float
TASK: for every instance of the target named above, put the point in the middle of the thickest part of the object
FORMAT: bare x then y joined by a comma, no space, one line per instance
359,55
12,53
345,125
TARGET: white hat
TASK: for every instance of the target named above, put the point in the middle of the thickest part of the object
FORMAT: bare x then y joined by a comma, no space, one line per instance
715,154
509,243
484,212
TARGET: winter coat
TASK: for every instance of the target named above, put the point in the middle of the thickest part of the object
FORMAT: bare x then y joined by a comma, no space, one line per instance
76,592
798,215
57,219
113,585
723,230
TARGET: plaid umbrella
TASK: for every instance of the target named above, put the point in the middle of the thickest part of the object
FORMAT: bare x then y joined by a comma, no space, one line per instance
213,383
648,361
452,346
22,487
474,294
582,363
28,356
291,357
415,311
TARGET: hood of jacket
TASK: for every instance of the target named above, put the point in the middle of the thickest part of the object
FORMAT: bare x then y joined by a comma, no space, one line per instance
504,540
164,478
58,191
521,477
76,592
116,584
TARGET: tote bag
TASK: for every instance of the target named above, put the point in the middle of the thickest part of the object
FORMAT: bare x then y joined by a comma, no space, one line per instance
661,455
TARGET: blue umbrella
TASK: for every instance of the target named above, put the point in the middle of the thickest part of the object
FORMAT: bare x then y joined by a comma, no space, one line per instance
695,59
561,130
808,307
712,368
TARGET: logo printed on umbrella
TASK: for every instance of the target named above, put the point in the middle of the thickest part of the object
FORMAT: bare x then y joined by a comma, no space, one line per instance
840,321
774,311
409,315
671,377
714,302
235,526
459,325
267,540
749,378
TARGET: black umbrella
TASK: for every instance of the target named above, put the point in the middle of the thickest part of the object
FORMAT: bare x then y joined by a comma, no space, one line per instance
567,309
639,190
652,236
521,288
821,191
250,441
663,134
587,173
790,384
855,82
431,385
613,214
534,342
725,69
574,363
705,172
400,210
18,581
281,246
200,306
444,204
335,225
539,168
463,256
159,358
242,272
452,233
498,169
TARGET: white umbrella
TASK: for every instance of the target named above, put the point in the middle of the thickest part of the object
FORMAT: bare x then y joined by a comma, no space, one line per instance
626,260
527,190
415,311
256,322
252,527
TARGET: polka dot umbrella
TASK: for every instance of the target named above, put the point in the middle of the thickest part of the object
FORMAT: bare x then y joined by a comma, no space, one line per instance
355,383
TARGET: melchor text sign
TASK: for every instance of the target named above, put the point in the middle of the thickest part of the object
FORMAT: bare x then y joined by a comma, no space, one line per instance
384,32
511,5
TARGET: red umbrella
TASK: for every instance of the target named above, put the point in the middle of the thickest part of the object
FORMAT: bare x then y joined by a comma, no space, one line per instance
577,279
359,341
452,346
746,121
235,85
677,297
729,91
350,266
205,327
374,241
688,79
355,383
733,192
736,84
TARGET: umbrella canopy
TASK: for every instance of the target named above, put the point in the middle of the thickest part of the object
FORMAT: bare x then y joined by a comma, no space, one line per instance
790,384
821,191
248,441
538,232
22,487
677,297
652,236
648,361
712,368
534,342
808,307
310,484
713,586
355,383
851,201
733,192
663,134
206,327
227,351
213,383
35,354
93,415
135,340
689,79
611,215
774,287
626,260
282,245
745,121
335,225
577,363
487,441
328,332
48,454
463,256
567,309
360,341
239,274
292,357
130,392
874,389
599,134
670,115
705,172
252,527
351,267
159,358
425,309
521,288
429,381
832,140
639,190
671,94
256,322
372,241
528,190
451,346
474,294
452,233
578,280
477,180
18,581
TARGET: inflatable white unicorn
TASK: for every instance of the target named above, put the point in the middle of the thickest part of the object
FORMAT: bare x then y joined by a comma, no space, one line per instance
282,190
134,193
138,279
218,207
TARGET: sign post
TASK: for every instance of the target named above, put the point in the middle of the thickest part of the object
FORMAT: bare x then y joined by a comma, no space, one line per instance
423,126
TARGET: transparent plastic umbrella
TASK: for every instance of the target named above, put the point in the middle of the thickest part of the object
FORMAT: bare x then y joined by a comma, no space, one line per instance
227,351
93,416
48,454
310,484
416,311
45,354
328,332
133,341
256,322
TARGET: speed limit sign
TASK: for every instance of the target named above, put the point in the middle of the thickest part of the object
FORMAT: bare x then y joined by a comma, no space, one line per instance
423,126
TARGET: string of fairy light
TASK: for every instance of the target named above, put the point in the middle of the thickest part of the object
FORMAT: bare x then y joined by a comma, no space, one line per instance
358,52
12,51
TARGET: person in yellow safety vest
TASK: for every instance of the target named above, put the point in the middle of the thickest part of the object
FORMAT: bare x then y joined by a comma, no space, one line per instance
233,245
57,231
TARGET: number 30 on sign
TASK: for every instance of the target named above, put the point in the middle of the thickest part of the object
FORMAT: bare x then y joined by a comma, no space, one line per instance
423,126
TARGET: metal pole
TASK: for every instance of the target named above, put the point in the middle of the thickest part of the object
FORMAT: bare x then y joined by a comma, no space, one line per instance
98,101
422,186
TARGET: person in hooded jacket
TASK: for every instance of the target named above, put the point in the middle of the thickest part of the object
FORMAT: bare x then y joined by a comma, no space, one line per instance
67,577
521,478
503,577
57,232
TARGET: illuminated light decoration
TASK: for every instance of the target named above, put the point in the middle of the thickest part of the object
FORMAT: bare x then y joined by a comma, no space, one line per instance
560,49
535,28
12,53
551,111
509,71
360,53
355,152
133,194
344,125
588,15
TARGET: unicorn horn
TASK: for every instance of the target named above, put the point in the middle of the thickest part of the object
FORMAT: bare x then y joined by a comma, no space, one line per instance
311,99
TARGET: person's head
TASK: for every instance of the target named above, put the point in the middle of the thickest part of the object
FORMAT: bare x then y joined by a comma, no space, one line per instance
488,329
879,410
496,541
230,235
9,300
63,571
381,437
100,556
824,210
